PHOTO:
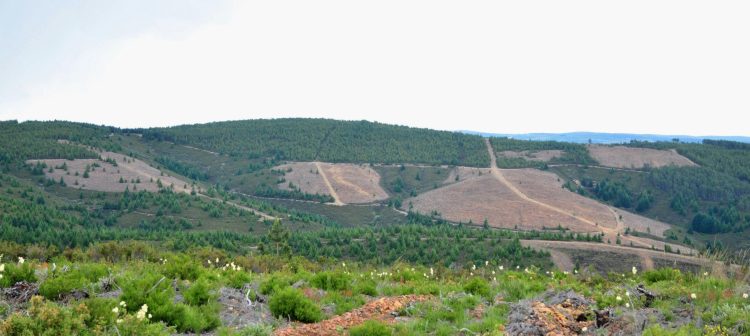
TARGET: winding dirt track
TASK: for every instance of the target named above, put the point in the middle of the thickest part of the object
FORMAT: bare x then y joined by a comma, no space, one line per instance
610,233
336,199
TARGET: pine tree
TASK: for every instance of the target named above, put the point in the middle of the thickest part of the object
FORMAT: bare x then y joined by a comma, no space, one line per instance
279,238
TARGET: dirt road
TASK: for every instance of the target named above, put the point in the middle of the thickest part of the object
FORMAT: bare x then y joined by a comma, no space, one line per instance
336,199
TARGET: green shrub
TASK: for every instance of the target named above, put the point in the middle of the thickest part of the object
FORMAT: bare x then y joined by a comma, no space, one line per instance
274,283
14,273
77,278
366,287
100,311
236,279
156,291
371,328
662,274
199,293
182,267
477,286
291,303
331,281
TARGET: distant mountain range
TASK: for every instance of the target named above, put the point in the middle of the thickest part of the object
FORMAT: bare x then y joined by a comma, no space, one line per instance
607,138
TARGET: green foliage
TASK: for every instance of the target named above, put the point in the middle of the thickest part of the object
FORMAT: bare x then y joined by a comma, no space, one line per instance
15,272
199,293
60,282
275,283
329,140
291,303
331,281
477,286
662,274
371,328
572,153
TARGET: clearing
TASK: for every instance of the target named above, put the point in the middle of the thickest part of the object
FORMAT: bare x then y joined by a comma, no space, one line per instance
530,199
346,183
539,156
112,173
636,158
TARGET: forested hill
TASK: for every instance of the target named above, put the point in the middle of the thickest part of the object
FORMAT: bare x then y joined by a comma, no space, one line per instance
328,140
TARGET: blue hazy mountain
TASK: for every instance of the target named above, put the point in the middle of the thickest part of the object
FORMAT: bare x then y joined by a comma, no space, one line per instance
607,138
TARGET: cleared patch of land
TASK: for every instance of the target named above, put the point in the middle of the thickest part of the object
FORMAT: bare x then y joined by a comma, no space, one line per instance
547,187
458,174
350,183
628,157
540,155
484,197
615,258
112,173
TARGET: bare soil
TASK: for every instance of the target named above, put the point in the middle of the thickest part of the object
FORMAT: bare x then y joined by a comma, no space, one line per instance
628,157
379,309
347,183
465,173
136,174
485,197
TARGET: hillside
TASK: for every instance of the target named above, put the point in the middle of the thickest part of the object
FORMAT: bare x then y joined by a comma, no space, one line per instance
292,199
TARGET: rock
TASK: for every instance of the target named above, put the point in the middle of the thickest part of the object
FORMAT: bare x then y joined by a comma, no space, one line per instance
561,313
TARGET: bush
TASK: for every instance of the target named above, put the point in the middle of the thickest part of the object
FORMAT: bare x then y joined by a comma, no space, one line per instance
77,278
291,303
14,273
366,287
152,289
182,267
199,293
477,286
331,281
371,328
662,274
236,279
275,283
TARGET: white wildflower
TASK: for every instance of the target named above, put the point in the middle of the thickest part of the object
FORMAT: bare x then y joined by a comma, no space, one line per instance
2,267
217,260
501,267
744,296
473,267
471,273
119,321
21,260
618,298
116,310
1,276
705,273
493,272
627,293
123,304
432,272
343,264
141,314
486,263
693,296
635,270
584,329
149,316
627,305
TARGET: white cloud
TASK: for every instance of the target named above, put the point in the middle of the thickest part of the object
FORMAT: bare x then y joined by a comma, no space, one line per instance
638,66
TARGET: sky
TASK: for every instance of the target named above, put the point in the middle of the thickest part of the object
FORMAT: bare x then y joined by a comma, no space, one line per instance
658,67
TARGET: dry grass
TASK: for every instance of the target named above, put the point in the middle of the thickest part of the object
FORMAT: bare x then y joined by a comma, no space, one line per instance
540,155
627,157
352,183
107,176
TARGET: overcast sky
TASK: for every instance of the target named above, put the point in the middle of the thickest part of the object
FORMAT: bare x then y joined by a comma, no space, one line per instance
664,67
